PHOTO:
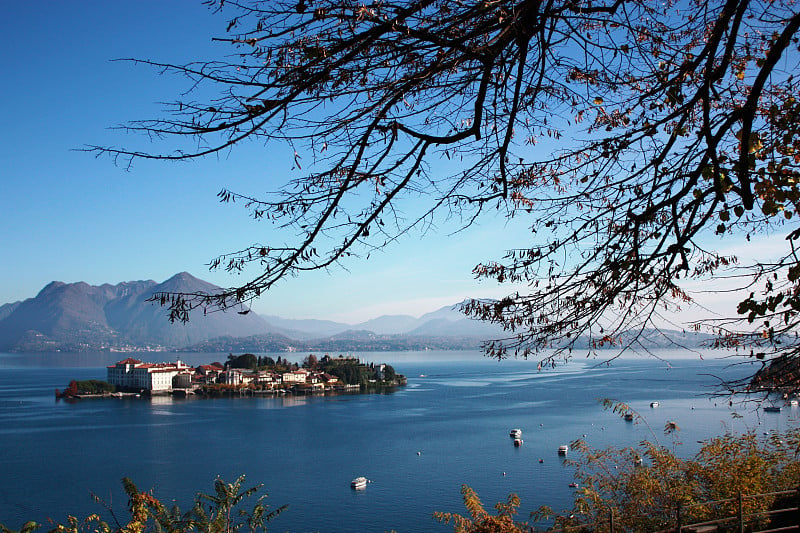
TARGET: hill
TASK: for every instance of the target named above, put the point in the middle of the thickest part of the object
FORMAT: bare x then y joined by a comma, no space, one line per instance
79,316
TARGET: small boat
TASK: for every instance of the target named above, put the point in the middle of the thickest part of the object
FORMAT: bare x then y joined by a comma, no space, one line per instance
793,403
628,417
637,461
359,483
653,404
573,485
772,409
563,449
516,433
517,442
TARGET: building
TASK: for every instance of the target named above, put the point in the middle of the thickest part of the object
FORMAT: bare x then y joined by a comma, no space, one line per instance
297,376
152,377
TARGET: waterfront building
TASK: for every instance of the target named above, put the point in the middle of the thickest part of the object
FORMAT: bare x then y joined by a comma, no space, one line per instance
297,376
133,374
330,379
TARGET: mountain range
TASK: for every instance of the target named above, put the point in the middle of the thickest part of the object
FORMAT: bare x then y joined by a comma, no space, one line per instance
83,317
80,317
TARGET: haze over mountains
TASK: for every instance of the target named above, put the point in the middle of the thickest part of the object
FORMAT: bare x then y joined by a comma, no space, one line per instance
83,317
79,316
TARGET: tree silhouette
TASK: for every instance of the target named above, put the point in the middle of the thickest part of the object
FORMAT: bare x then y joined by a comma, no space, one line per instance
632,136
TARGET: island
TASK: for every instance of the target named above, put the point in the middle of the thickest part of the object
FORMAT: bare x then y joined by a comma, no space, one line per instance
242,375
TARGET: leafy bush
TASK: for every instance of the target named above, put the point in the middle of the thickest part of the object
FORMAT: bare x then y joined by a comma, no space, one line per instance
643,487
220,512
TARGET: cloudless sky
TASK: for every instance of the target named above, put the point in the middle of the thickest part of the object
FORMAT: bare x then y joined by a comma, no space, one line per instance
69,216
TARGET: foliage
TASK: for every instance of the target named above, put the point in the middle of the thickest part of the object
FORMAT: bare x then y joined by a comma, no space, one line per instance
70,392
480,521
646,496
310,362
280,365
220,512
246,360
349,369
95,386
266,361
89,386
628,135
27,527
389,373
217,513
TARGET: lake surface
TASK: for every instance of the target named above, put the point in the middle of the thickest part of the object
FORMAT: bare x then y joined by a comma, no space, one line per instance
456,412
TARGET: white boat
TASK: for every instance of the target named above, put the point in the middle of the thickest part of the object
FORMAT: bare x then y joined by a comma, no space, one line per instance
517,442
793,403
563,449
516,433
359,483
653,404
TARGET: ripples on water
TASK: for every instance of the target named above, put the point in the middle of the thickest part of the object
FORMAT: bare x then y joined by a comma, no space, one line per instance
457,417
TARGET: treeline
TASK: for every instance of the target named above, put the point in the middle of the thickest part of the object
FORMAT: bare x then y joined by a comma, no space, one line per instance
89,386
252,362
350,370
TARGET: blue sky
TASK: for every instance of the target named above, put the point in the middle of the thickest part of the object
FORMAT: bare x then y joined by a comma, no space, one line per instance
71,217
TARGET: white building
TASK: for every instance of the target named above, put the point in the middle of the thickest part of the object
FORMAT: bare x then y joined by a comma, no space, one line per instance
298,376
154,377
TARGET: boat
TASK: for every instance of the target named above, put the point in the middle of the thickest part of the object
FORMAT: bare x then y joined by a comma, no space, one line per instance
517,442
793,403
772,409
563,449
654,404
359,483
573,485
628,417
516,433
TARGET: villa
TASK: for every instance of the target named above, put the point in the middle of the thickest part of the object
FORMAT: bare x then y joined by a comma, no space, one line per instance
133,374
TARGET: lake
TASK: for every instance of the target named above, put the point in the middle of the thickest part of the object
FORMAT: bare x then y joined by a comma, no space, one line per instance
418,445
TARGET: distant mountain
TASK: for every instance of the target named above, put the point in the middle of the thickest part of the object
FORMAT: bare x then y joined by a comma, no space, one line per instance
79,316
447,321
305,328
61,314
342,343
449,312
389,324
144,322
269,342
462,327
7,309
